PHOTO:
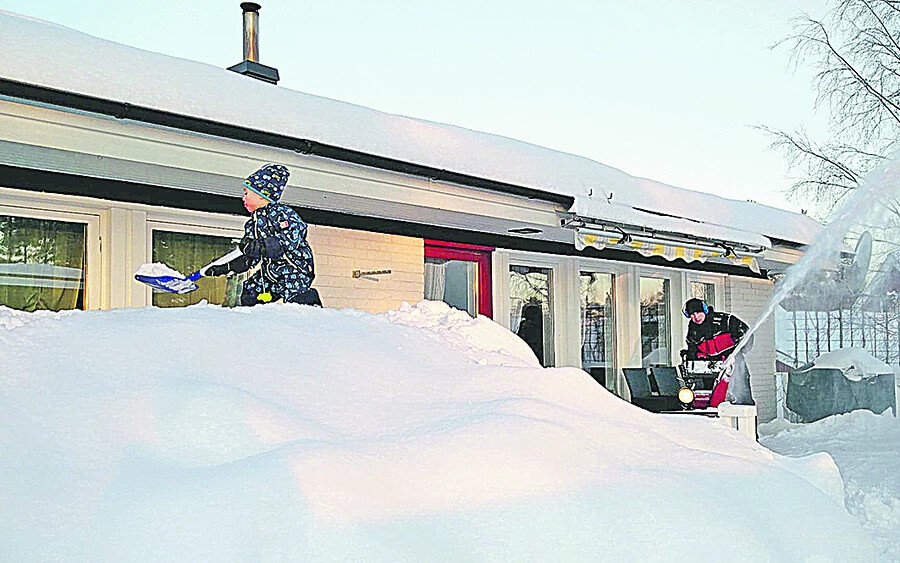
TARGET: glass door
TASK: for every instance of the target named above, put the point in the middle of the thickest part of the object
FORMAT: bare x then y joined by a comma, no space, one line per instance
598,326
531,309
656,324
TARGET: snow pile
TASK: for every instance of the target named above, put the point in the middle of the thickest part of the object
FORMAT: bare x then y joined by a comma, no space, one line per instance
156,270
866,448
481,339
855,363
286,431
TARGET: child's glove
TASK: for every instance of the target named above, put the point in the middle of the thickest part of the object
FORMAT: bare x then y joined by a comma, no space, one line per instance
267,247
216,270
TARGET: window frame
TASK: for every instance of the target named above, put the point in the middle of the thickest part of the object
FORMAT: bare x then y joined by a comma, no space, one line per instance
718,282
168,222
674,306
481,255
93,274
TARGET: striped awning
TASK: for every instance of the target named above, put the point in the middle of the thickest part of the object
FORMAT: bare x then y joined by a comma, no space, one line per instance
669,250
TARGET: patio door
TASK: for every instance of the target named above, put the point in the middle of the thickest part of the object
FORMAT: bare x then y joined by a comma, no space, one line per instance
459,275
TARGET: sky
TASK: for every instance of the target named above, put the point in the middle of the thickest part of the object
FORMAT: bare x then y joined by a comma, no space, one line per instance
665,90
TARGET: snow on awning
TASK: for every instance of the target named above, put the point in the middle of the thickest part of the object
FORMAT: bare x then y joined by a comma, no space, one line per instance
668,249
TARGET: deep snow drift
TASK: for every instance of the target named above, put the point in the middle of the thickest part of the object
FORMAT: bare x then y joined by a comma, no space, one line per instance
866,448
286,431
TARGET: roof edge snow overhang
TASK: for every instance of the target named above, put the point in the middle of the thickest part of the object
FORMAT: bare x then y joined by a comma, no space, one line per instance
30,179
124,110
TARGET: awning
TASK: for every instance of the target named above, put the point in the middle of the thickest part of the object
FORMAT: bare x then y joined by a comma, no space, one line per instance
670,250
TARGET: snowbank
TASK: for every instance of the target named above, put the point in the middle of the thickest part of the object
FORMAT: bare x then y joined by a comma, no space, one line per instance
855,363
286,431
866,448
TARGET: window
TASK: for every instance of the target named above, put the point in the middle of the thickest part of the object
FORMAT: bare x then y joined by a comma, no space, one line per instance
598,326
459,275
187,252
531,309
42,263
655,322
704,291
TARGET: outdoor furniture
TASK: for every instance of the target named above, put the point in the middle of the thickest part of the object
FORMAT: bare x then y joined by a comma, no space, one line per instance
815,393
666,380
638,380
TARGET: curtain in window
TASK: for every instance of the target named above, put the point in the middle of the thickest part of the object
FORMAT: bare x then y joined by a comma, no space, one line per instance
435,279
188,253
42,264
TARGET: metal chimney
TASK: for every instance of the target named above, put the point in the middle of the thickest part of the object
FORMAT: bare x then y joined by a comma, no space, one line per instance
251,31
251,66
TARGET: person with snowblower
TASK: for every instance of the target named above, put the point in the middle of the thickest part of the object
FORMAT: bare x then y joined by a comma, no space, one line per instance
714,336
711,335
275,241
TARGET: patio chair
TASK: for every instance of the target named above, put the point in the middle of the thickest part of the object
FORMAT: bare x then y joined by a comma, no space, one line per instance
666,380
638,381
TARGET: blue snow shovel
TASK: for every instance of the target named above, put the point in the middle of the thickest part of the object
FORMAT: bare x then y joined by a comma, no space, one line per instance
180,285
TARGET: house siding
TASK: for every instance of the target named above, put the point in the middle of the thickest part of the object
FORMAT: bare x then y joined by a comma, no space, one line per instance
338,252
747,299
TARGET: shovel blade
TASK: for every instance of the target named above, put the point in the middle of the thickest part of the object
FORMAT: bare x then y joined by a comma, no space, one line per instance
168,284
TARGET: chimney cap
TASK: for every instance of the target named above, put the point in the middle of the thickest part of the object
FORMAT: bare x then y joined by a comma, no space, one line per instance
250,6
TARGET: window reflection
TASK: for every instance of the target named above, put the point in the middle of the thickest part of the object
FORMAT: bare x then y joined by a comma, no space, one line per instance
187,252
530,309
42,264
597,326
655,323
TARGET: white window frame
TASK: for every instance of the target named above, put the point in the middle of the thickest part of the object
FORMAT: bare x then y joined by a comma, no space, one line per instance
42,208
718,282
559,295
191,224
675,278
617,270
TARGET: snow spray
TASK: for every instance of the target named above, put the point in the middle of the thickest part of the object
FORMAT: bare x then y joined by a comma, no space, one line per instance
866,208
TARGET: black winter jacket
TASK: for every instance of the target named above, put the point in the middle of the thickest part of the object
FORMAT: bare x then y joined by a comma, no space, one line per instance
716,323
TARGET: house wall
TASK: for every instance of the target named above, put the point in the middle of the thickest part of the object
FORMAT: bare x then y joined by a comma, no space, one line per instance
747,298
124,233
120,234
339,252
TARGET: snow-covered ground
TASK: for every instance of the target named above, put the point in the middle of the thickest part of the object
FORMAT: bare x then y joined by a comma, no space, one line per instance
866,448
302,433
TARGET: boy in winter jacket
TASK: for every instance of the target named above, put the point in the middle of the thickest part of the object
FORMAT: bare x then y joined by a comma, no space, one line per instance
275,240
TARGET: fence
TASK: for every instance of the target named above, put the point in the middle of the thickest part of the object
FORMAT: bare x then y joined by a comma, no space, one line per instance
805,335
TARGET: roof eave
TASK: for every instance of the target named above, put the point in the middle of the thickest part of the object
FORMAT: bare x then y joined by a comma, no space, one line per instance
123,110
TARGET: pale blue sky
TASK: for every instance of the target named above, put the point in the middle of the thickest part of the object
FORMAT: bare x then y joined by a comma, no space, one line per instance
658,88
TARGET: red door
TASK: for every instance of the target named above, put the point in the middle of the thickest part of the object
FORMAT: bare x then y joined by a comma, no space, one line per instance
459,275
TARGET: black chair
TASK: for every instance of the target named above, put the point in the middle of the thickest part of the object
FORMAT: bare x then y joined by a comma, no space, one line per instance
638,380
666,380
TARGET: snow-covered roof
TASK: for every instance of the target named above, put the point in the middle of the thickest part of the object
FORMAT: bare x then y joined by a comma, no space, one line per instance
52,56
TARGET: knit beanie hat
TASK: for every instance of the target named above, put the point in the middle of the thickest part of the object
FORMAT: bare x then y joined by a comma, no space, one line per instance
269,181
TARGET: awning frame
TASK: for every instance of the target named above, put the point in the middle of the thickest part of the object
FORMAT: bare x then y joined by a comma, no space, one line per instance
610,234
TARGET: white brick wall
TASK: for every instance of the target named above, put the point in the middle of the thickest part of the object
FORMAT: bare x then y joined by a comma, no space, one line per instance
746,298
340,251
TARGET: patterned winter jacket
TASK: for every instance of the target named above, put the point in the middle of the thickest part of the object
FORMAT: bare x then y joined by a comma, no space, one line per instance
291,273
